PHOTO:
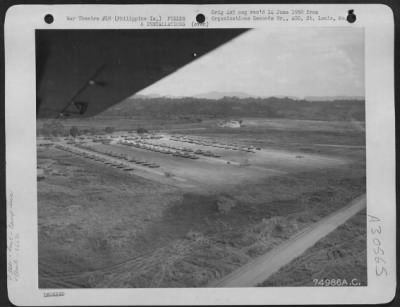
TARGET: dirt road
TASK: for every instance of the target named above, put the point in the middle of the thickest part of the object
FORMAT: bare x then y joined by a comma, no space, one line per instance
263,267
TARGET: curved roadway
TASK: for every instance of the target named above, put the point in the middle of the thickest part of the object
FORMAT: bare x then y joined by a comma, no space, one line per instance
260,269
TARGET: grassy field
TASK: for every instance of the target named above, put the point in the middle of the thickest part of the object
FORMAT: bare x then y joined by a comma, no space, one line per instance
101,227
339,256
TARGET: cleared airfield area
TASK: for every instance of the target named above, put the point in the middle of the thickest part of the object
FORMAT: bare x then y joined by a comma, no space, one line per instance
203,165
184,208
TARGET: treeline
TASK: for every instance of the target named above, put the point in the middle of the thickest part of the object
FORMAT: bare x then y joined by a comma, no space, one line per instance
272,107
56,128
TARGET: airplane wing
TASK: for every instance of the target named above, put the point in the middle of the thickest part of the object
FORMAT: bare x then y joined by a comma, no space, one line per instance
81,73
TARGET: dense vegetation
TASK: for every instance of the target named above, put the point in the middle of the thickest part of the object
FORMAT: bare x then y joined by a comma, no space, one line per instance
55,127
272,107
164,110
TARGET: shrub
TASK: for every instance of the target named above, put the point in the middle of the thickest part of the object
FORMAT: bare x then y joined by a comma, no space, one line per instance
225,204
109,129
141,130
74,131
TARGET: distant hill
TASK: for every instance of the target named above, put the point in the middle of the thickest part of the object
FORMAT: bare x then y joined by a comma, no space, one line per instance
209,95
215,95
150,96
219,95
234,107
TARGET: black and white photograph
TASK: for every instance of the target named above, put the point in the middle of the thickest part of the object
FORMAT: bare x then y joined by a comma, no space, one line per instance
241,165
200,155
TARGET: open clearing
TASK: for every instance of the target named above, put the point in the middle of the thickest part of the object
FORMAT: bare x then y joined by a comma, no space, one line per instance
230,168
105,221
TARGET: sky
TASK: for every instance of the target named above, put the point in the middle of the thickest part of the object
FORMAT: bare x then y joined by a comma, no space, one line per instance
301,61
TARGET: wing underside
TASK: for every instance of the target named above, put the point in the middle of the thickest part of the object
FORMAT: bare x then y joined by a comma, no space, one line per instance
81,73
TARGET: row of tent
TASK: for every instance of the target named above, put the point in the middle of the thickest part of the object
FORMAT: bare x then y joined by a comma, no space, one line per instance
169,150
106,161
207,142
134,160
123,157
185,151
95,158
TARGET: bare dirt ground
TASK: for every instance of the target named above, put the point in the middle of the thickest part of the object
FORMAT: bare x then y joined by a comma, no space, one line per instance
210,172
200,172
304,125
102,227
